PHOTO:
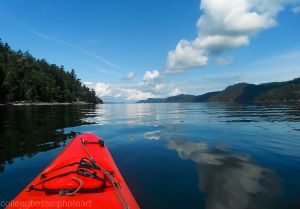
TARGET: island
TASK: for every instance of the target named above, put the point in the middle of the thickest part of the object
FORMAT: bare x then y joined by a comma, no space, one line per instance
27,80
288,91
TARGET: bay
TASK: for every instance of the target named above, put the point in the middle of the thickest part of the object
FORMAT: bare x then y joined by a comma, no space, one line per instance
194,155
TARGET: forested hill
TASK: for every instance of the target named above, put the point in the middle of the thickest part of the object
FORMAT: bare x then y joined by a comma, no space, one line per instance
288,91
24,78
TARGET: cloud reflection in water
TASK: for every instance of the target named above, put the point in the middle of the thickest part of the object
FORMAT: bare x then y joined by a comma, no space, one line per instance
229,181
152,135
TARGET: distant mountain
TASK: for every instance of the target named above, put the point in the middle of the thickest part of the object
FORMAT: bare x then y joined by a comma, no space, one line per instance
242,93
152,100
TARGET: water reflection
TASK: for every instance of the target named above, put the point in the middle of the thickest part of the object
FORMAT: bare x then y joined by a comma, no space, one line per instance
133,114
159,114
28,130
228,180
152,135
259,112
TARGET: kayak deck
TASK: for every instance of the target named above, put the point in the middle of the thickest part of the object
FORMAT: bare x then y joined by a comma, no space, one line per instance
83,175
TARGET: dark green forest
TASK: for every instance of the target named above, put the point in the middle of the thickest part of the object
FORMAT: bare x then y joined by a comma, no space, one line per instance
25,78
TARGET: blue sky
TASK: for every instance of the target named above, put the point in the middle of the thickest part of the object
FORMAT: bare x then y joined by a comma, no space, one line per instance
133,49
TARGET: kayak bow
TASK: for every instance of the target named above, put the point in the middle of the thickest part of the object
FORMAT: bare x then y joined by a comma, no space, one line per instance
83,175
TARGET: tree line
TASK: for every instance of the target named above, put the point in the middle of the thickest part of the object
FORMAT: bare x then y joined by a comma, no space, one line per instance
25,78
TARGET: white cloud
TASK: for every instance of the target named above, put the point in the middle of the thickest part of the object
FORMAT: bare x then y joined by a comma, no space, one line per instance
129,76
122,91
185,56
278,68
88,83
224,61
159,87
224,25
142,90
103,89
135,94
150,76
175,92
237,17
218,43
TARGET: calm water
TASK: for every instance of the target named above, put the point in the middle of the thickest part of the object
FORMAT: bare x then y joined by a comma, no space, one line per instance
212,156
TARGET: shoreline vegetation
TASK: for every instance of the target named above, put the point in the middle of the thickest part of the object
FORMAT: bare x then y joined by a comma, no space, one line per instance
23,103
25,80
274,92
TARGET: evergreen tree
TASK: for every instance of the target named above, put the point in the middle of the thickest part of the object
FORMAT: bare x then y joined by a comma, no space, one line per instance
24,78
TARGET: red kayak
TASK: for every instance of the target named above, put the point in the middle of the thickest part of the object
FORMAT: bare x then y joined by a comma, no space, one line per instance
83,175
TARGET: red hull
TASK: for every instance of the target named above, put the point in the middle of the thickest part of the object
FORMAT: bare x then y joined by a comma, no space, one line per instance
106,198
